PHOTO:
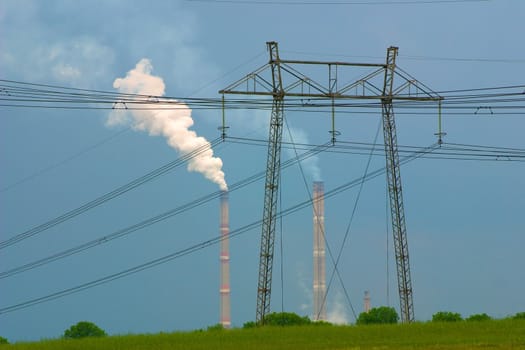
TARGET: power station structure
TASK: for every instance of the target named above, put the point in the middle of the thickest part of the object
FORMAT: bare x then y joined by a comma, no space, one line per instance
283,78
319,253
224,291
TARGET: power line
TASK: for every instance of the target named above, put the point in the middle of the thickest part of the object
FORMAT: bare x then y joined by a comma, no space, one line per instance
462,153
463,59
196,247
465,152
414,57
63,161
334,262
329,3
153,220
29,95
106,197
352,215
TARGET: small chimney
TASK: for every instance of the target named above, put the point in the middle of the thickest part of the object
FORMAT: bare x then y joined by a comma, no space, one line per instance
367,301
224,291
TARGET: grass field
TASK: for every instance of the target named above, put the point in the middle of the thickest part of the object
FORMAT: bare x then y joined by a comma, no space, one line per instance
500,334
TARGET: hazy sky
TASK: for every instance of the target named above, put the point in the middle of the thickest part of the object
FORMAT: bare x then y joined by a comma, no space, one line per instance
466,230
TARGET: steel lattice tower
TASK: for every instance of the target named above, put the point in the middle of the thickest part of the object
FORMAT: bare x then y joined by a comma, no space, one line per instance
273,172
397,210
379,86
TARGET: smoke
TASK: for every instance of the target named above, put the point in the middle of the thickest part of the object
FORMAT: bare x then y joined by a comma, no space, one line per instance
173,124
303,281
337,311
259,125
311,164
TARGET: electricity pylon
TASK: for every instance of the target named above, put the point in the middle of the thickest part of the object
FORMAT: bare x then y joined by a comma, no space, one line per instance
287,81
397,210
273,172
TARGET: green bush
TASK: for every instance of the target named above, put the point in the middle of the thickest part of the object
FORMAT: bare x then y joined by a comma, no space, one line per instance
3,341
479,317
249,324
519,316
215,327
378,315
285,319
281,319
84,329
446,316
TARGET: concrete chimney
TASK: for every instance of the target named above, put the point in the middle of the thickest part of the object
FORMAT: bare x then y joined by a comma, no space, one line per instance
224,291
319,286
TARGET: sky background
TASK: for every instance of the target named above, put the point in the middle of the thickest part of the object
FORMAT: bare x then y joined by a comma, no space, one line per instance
466,230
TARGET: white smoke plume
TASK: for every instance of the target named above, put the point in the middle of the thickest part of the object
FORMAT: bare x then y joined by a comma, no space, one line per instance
259,125
311,164
173,124
337,311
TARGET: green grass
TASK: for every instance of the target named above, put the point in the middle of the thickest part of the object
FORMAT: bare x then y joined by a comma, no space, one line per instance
500,334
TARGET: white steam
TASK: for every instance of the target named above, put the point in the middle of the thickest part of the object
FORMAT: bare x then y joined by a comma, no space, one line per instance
300,137
337,311
173,124
259,125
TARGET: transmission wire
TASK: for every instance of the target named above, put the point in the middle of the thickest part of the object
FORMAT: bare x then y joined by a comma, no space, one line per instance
153,220
106,197
353,212
63,161
324,235
200,245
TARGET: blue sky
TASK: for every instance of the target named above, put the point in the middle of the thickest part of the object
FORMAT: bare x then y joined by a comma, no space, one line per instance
464,218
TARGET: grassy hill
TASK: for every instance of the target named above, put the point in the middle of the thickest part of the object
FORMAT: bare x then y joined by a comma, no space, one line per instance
497,334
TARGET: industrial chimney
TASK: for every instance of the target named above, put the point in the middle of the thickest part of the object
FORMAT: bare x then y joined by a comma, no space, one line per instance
225,318
367,301
319,287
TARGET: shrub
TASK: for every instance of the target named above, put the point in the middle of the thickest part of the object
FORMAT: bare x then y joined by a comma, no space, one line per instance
3,341
479,317
378,315
519,316
215,327
285,319
249,324
84,329
280,319
446,316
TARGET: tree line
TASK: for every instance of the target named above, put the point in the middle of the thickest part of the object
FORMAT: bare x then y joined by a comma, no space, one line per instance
377,315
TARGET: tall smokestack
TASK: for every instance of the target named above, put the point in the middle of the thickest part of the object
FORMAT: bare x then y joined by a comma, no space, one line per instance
319,287
224,291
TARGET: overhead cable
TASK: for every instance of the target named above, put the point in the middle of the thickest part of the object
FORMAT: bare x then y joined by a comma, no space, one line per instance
108,196
199,246
153,220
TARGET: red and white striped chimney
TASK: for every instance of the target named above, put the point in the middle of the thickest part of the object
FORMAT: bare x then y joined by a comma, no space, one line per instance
224,291
319,285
